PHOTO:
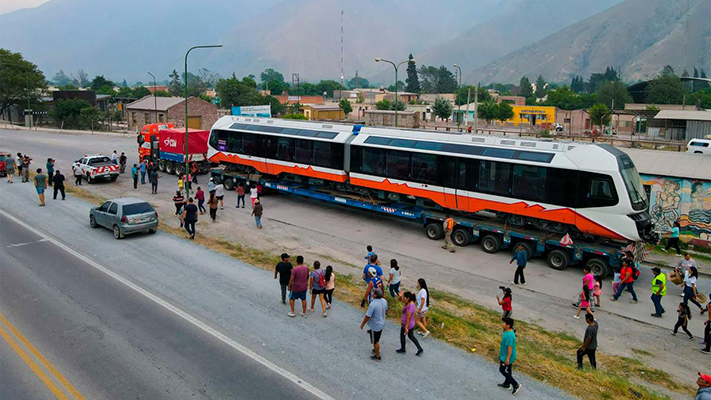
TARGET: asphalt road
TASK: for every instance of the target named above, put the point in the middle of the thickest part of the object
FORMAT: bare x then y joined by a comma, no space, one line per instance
159,317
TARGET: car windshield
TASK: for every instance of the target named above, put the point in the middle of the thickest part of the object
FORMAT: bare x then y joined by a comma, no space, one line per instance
100,160
137,208
635,189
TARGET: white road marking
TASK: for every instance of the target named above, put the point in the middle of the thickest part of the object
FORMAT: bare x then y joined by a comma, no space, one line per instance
25,244
177,311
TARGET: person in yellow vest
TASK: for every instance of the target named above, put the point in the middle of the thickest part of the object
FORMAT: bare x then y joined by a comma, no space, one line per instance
659,290
448,226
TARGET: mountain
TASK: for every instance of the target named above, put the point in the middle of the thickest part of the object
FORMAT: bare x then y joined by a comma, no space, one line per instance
520,24
636,37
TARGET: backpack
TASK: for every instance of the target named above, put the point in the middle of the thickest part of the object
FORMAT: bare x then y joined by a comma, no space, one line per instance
321,280
635,271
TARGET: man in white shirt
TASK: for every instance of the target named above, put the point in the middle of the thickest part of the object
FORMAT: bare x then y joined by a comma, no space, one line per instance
220,194
114,157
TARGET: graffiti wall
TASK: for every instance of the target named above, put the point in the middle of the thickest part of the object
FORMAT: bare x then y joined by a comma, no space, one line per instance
686,200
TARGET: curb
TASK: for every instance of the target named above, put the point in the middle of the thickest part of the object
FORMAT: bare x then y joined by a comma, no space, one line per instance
60,131
669,268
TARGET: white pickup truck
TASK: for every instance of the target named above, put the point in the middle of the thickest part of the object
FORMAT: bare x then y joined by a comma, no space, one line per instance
94,167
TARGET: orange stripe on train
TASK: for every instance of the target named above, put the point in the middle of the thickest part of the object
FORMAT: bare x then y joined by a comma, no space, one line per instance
276,169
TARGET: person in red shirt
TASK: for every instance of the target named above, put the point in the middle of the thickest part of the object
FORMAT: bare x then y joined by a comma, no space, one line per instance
505,303
627,278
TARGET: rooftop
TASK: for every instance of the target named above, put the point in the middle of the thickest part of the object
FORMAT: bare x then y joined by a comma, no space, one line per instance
684,115
160,103
669,163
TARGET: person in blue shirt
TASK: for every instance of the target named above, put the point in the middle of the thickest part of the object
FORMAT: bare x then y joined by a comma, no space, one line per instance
507,355
521,258
372,262
142,167
134,175
375,282
370,252
50,171
673,240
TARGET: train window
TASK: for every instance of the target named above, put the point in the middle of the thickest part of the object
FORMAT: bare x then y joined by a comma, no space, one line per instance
373,161
462,149
322,154
327,135
303,151
499,153
529,182
234,142
377,140
561,187
424,168
468,174
290,131
398,165
533,156
270,129
428,146
252,144
599,190
450,171
336,155
402,143
285,149
307,133
494,177
237,126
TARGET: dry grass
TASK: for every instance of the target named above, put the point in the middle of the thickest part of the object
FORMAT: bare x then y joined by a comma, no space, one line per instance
544,355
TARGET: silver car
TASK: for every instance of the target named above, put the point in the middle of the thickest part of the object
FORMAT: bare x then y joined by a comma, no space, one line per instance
124,216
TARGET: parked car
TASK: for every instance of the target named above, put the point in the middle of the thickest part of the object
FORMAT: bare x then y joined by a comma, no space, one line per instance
95,167
699,146
558,127
124,216
3,166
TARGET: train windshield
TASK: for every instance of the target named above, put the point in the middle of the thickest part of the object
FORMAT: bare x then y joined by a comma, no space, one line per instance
633,184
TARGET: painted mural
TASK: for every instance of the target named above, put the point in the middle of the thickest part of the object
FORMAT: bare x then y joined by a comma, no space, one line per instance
686,200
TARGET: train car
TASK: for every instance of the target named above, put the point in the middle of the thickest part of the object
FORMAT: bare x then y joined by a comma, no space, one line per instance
586,190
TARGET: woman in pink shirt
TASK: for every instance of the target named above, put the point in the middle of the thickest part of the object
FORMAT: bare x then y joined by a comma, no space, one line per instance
408,323
588,283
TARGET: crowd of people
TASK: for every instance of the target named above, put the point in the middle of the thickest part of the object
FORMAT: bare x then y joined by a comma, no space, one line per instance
41,181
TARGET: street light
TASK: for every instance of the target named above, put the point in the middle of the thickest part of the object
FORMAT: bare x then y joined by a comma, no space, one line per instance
396,66
155,100
459,103
185,184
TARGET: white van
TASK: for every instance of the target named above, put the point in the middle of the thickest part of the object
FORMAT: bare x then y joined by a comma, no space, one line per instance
699,146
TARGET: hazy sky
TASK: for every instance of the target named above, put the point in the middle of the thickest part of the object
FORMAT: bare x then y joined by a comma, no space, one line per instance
11,5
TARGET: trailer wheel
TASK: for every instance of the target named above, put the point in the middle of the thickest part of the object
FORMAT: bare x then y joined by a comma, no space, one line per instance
161,165
491,243
598,267
434,231
527,248
229,184
179,169
89,178
461,237
169,168
558,259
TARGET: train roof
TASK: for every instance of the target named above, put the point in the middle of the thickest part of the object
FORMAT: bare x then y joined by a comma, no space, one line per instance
282,127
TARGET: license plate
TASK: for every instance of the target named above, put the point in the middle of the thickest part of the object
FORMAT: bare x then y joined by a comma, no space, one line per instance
141,220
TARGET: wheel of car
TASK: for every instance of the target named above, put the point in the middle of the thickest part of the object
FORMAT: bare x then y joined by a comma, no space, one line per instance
461,237
89,179
92,222
434,231
169,168
161,165
152,231
117,232
113,178
598,267
491,243
558,259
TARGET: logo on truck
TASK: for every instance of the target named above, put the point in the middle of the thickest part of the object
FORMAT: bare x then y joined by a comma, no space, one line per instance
170,142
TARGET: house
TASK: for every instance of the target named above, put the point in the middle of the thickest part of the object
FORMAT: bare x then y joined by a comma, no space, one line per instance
680,124
201,114
322,112
405,119
285,100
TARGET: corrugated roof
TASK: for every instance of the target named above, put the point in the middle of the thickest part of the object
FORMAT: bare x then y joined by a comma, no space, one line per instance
670,163
684,115
147,103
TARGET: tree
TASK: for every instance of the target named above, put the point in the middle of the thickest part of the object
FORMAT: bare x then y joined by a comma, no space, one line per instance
175,87
67,112
400,87
162,93
383,104
446,82
564,98
270,74
665,89
597,79
89,116
60,78
701,98
599,115
541,87
345,105
276,106
526,88
437,80
140,91
703,84
613,90
577,85
295,116
398,105
329,87
358,82
465,93
488,111
504,111
16,74
82,78
273,81
442,108
412,81
99,82
668,71
208,77
428,76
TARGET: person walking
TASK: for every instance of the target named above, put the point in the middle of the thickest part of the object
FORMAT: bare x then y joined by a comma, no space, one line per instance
616,279
707,328
143,167
330,286
374,282
178,200
673,240
589,342
50,171
200,197
507,355
408,323
627,279
257,213
423,304
584,303
212,204
521,258
134,175
283,270
153,178
372,262
659,290
26,162
689,285
375,318
683,320
190,217
505,302
704,391
298,284
253,194
211,185
240,194
10,167
194,172
220,194
684,264
114,157
59,185
20,158
317,286
597,291
122,162
40,185
394,278
371,253
448,227
588,284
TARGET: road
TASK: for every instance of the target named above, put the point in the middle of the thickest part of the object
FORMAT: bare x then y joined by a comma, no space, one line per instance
322,231
159,317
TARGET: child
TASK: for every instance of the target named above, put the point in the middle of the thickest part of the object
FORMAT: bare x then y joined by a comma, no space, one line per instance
684,317
583,304
597,290
616,279
505,303
180,184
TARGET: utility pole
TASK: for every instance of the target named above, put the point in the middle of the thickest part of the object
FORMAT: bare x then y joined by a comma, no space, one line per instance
469,95
476,108
396,66
155,100
459,102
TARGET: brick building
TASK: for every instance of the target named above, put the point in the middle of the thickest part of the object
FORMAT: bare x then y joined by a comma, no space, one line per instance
201,114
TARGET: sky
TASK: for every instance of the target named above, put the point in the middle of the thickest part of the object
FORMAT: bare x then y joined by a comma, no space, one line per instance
7,6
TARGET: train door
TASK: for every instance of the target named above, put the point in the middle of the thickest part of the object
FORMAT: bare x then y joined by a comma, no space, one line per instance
450,170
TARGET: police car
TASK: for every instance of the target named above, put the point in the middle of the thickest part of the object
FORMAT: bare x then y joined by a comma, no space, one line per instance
95,167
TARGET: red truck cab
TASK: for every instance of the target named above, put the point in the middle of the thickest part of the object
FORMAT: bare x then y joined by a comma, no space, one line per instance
147,135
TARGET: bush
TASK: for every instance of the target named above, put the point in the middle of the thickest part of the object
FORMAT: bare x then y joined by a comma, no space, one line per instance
294,116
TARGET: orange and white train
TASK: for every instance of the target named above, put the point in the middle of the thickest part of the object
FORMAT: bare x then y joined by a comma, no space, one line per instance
587,190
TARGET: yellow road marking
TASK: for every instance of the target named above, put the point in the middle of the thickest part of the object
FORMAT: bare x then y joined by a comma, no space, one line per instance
68,386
